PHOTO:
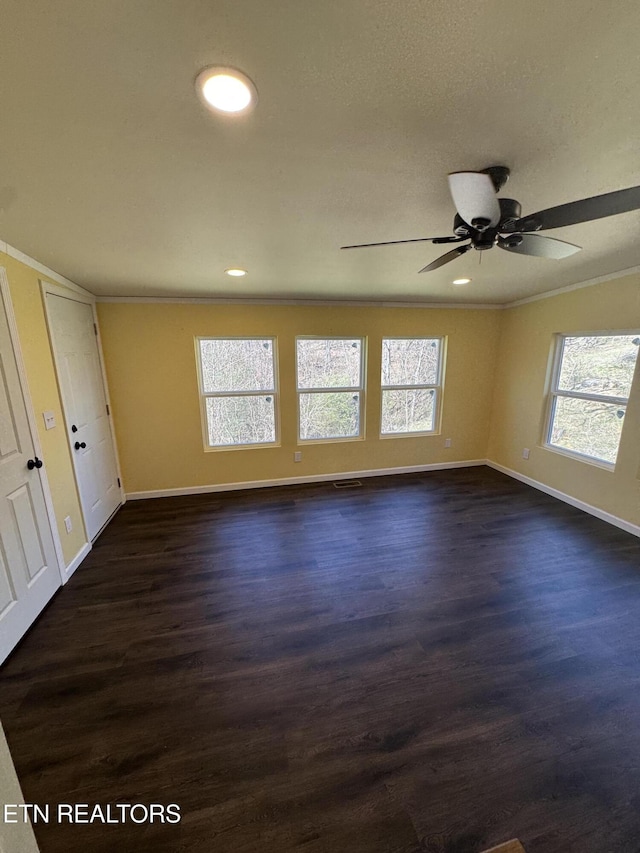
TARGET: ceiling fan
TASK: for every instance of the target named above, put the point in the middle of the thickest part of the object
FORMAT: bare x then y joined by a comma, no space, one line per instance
487,221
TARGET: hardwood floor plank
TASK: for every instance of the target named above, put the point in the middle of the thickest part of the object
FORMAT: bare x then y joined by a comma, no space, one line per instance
430,663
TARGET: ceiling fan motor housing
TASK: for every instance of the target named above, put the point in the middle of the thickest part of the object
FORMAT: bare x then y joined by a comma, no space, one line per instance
510,210
482,240
485,237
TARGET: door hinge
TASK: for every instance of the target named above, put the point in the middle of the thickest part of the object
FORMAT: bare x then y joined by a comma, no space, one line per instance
108,412
119,483
95,329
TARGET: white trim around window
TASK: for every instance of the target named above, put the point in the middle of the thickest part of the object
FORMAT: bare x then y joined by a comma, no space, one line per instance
356,390
433,388
600,405
268,391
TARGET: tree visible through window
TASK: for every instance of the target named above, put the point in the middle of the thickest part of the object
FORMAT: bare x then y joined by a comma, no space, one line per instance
330,387
238,390
411,383
590,392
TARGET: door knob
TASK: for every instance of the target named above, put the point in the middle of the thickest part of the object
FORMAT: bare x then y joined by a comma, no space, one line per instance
34,463
80,444
74,428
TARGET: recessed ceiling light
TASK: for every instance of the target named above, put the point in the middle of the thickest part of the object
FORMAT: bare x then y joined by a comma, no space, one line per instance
461,280
226,90
236,271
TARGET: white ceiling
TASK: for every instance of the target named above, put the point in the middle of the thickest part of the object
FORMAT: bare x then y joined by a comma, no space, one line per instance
113,174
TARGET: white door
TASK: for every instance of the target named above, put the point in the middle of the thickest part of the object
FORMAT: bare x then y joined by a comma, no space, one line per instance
85,408
29,573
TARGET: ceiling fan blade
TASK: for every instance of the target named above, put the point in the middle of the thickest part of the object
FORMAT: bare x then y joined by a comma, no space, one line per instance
451,239
584,210
475,198
536,244
444,259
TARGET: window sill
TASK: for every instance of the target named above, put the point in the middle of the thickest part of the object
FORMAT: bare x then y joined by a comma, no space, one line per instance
271,445
304,441
580,457
386,435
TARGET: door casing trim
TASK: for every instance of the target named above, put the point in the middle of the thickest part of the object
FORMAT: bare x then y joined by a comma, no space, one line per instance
46,287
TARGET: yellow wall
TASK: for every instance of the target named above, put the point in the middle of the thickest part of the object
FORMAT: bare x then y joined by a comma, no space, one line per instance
520,385
150,359
34,342
494,397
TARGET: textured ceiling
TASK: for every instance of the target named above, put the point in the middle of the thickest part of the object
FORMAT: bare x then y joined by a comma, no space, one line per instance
113,174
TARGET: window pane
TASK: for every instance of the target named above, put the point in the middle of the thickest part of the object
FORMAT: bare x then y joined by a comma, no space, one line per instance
587,427
241,420
598,365
237,365
410,362
408,411
329,363
329,415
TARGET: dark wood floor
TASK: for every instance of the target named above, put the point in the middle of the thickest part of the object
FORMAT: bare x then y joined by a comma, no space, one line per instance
433,662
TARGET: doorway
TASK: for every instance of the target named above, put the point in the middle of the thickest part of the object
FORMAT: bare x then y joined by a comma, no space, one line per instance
73,331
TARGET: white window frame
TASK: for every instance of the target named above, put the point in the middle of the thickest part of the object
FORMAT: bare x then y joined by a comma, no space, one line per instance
203,395
437,388
555,392
335,390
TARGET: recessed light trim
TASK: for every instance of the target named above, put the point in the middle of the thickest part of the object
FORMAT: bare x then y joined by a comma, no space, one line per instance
461,280
226,90
237,272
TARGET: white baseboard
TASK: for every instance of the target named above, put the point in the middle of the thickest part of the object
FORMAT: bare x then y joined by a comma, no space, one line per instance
292,481
79,557
562,496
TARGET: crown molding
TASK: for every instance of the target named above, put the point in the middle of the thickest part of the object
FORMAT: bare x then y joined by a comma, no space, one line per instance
474,306
12,252
17,255
335,303
601,279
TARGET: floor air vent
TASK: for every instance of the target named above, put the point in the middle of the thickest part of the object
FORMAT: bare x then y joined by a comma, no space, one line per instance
347,484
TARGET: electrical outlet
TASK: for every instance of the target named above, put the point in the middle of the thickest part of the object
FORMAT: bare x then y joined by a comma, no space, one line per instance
447,442
525,453
67,524
49,419
297,456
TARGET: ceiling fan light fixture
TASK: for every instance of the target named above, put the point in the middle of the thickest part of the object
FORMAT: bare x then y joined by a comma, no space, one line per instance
497,222
236,272
226,90
461,281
